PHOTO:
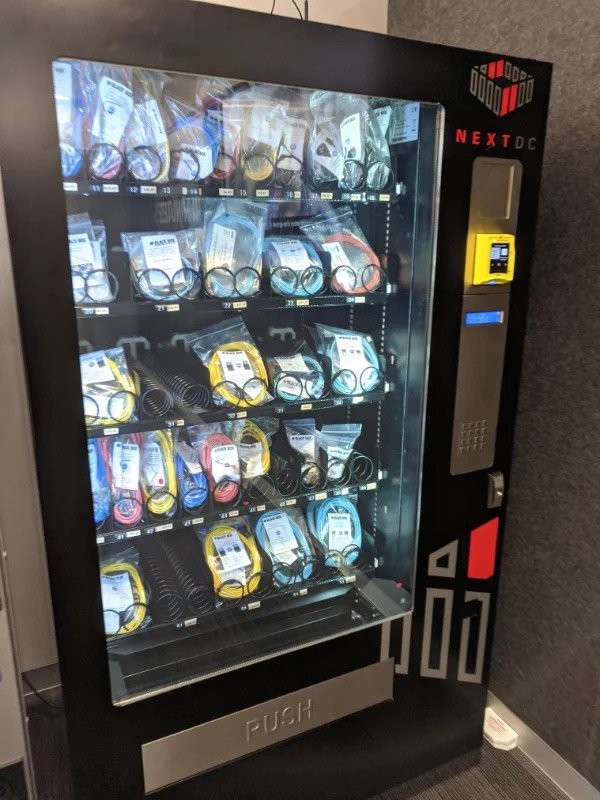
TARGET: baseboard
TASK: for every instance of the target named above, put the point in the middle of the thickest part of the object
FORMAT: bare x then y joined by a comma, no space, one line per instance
544,757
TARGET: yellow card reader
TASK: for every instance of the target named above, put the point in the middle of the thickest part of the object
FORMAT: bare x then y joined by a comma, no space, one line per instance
494,258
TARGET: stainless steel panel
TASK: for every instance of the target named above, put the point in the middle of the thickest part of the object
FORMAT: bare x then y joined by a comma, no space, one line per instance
478,385
187,753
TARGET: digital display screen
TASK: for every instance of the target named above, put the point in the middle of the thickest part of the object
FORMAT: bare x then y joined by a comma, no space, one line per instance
484,317
499,257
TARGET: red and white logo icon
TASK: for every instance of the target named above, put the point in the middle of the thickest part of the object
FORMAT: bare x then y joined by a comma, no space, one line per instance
501,86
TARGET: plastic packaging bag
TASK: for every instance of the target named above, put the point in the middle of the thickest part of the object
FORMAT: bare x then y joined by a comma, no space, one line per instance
109,104
336,443
253,441
265,114
146,146
292,148
236,370
355,268
294,265
233,248
223,110
109,393
219,458
296,376
283,536
233,559
324,158
336,527
123,460
302,437
159,481
352,358
125,594
192,480
193,142
69,115
99,481
165,266
92,282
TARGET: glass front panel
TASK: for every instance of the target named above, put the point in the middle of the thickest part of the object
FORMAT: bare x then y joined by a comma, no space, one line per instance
252,273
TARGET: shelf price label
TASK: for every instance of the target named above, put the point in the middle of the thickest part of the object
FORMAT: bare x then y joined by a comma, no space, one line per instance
223,192
326,195
70,186
110,188
262,193
147,189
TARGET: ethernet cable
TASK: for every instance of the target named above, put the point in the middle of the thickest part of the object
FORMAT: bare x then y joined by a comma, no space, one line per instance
250,576
318,515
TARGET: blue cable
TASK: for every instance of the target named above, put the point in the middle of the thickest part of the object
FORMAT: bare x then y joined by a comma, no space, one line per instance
365,380
316,376
304,572
317,515
193,488
99,479
208,129
281,273
213,284
189,281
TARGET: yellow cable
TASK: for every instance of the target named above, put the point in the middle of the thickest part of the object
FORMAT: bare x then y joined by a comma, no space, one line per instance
160,502
217,378
258,175
250,583
139,594
123,377
165,152
252,431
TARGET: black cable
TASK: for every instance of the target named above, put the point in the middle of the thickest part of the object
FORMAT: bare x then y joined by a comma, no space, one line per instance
273,6
297,9
306,10
38,695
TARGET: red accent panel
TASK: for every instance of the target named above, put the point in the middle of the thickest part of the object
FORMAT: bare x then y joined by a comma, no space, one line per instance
482,550
504,102
492,70
499,68
512,103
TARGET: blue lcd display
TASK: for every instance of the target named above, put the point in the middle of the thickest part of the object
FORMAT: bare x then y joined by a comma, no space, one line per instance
484,317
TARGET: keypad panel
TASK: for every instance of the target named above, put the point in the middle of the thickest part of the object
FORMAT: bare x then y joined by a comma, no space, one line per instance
473,436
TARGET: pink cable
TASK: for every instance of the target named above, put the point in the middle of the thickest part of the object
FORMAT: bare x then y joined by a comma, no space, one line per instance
227,490
119,495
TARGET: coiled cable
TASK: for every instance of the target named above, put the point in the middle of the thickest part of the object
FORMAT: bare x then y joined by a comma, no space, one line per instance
292,282
226,490
348,381
293,386
228,280
249,578
317,514
193,486
127,503
187,155
285,573
126,395
253,393
132,618
252,433
162,501
370,276
99,481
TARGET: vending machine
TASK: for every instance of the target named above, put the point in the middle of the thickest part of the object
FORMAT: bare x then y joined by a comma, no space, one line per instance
272,282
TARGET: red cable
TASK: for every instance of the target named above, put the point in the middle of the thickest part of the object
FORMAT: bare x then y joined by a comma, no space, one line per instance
227,489
359,288
232,158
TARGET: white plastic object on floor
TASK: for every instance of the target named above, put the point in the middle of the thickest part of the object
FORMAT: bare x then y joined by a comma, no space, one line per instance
498,733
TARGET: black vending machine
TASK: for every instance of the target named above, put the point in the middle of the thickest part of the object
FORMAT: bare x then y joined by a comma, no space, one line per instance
272,283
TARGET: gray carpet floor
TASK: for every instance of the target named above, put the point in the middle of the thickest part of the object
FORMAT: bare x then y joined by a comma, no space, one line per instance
496,775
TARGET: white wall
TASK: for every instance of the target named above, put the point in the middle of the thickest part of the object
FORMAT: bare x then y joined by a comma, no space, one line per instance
368,15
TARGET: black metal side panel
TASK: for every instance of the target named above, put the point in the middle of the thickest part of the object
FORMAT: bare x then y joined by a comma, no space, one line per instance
433,718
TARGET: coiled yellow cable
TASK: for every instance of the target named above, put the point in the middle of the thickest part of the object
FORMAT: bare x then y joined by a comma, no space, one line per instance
139,594
223,387
161,501
251,432
251,573
128,389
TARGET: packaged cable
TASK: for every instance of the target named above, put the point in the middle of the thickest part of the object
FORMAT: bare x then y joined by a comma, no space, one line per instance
69,115
352,359
192,480
222,108
336,443
92,282
165,266
99,481
324,152
355,268
233,559
294,265
265,113
108,96
123,462
233,249
253,441
109,392
289,167
193,142
125,594
336,527
220,460
159,480
296,376
236,370
146,146
283,536
302,437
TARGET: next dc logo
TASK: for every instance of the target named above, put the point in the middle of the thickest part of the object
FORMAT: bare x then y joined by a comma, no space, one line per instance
502,87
